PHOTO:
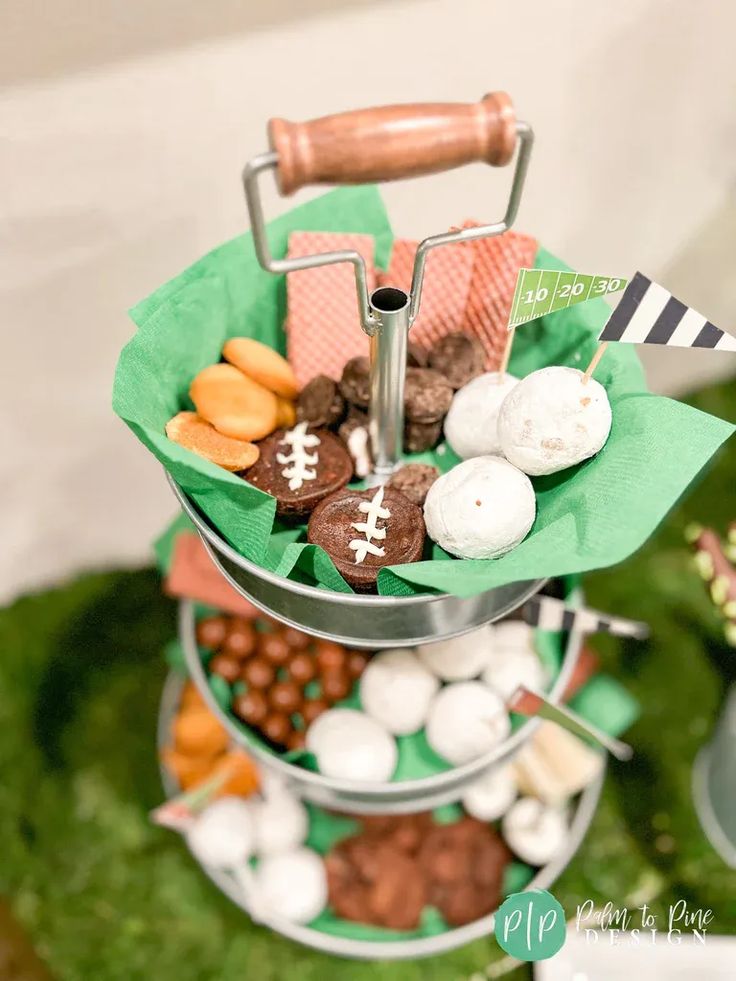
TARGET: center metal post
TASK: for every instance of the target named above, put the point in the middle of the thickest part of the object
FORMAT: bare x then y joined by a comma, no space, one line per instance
390,310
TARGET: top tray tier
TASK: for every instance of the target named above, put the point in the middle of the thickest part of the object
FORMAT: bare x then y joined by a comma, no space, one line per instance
349,618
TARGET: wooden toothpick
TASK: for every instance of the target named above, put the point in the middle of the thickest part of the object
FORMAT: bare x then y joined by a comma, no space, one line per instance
601,350
503,367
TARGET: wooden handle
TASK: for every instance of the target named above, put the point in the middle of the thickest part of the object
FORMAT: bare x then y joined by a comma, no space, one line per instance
390,142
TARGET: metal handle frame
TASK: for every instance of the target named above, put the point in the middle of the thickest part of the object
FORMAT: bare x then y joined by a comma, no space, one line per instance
269,161
386,325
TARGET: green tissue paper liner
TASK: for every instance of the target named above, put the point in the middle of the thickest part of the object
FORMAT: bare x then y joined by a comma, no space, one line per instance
588,517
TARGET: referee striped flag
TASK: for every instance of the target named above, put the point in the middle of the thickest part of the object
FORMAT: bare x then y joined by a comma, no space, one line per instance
548,613
648,314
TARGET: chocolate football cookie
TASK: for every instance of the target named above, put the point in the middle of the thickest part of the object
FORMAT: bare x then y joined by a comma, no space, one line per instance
300,467
427,395
414,481
363,531
355,383
458,357
320,403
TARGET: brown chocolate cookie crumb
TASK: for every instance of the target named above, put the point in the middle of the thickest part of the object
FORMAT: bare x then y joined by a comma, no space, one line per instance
414,481
458,357
320,403
427,395
355,382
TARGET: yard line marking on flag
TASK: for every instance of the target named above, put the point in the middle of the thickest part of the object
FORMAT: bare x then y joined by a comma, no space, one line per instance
649,314
539,292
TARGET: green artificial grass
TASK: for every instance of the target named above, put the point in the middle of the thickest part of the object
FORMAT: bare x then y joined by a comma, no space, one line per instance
106,896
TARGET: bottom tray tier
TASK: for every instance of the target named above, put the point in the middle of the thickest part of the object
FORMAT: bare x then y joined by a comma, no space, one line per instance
344,938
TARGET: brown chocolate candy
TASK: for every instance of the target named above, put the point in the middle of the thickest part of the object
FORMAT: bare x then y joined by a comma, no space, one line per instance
414,481
458,357
320,403
302,668
226,667
333,469
356,662
274,647
427,395
335,685
421,436
241,638
312,708
258,673
277,728
297,740
329,655
331,526
251,706
355,382
285,696
211,632
296,639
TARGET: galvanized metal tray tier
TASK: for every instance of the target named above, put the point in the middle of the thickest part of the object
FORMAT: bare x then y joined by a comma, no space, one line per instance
349,618
358,797
380,950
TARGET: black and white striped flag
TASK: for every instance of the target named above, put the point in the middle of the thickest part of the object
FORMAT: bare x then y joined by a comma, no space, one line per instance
548,613
648,314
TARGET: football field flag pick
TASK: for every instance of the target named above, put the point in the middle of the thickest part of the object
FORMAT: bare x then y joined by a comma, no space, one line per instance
548,613
650,314
542,291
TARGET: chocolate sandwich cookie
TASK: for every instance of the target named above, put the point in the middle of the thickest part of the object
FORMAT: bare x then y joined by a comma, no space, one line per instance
363,531
421,436
320,403
458,357
355,384
427,395
414,481
300,467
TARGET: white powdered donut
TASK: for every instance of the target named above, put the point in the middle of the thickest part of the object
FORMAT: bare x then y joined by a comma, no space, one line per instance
465,721
292,884
471,423
396,689
350,745
280,822
480,509
460,658
513,635
491,795
509,668
551,420
534,831
222,835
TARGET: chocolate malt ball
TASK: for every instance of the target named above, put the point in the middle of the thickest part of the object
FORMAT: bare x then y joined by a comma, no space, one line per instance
277,728
258,673
251,707
274,648
226,667
211,632
312,708
329,656
285,696
241,639
302,668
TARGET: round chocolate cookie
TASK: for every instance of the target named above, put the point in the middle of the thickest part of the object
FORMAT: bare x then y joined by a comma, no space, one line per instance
416,355
300,467
320,403
421,436
458,357
427,395
355,383
390,532
414,481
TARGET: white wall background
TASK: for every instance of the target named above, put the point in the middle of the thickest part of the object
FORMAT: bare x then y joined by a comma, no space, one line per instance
125,126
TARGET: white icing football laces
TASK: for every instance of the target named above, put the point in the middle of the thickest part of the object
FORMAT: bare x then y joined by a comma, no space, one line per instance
373,511
299,441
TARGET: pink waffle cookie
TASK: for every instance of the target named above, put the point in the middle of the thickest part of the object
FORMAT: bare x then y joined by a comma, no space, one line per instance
496,264
447,278
323,325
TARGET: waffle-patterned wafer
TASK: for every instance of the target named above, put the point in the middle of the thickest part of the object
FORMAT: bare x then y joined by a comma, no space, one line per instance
496,264
444,293
323,325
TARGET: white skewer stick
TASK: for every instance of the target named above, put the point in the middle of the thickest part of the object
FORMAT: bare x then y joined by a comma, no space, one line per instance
506,356
600,351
